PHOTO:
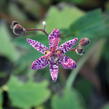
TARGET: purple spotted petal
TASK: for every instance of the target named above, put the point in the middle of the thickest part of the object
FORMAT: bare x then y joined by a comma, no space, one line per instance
54,71
40,63
37,45
68,63
68,45
54,39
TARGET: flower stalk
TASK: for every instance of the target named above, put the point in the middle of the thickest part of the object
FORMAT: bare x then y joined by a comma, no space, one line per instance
19,30
35,29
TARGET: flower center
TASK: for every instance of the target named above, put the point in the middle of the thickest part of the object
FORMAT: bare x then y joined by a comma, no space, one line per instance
57,52
53,57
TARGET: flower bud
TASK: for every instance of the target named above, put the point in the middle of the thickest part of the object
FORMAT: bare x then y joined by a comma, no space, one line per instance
13,24
19,30
79,50
84,41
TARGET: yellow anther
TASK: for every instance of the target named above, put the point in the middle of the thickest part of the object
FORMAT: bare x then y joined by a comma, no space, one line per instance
47,52
58,52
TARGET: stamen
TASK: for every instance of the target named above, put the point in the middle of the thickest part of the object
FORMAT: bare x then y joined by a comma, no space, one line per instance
58,52
47,52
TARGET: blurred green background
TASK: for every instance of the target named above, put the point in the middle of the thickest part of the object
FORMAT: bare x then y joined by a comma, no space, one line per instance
86,87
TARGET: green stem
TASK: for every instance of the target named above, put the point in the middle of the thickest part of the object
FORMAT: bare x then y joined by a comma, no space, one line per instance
34,29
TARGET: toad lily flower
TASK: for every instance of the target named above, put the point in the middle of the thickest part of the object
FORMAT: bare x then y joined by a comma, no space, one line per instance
54,55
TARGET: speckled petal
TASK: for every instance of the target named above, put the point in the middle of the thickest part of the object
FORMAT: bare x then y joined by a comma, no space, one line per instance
37,45
68,63
68,45
54,71
40,63
54,39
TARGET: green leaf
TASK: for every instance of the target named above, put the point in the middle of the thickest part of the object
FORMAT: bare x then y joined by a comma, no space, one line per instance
62,18
26,95
82,84
106,106
93,23
6,46
15,12
76,1
68,100
0,99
